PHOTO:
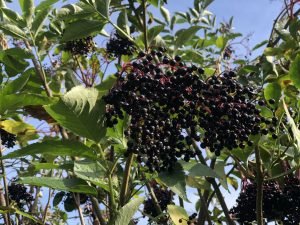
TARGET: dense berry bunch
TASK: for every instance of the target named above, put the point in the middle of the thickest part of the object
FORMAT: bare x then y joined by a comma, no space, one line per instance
169,102
245,210
291,204
164,198
81,46
19,194
118,46
7,139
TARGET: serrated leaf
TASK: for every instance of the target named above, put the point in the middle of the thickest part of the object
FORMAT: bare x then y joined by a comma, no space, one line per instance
272,91
70,184
81,111
185,35
16,101
122,21
166,14
12,30
102,7
293,125
201,170
175,180
154,32
295,71
259,45
54,148
176,213
38,21
45,5
74,30
221,42
27,7
91,171
15,85
126,213
13,16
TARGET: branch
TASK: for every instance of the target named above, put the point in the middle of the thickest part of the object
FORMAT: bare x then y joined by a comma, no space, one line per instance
144,2
215,186
97,210
124,187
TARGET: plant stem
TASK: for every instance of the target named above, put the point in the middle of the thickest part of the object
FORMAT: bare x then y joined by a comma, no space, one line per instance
204,207
125,183
202,214
144,2
215,186
154,199
39,70
97,210
259,183
77,202
47,206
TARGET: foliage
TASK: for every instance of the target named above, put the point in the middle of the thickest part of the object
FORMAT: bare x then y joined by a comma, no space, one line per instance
142,118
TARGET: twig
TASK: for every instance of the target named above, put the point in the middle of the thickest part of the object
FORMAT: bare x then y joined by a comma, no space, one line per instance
154,199
125,183
77,202
215,186
144,2
47,206
97,210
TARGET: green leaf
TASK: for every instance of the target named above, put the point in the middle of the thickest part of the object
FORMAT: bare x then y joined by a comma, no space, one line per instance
154,2
293,125
106,85
74,30
12,30
166,14
175,180
176,213
19,53
16,101
71,184
15,85
81,111
272,90
39,20
91,171
221,42
27,7
185,35
126,213
201,170
54,148
102,7
295,71
45,5
154,32
260,45
24,214
122,21
13,16
58,198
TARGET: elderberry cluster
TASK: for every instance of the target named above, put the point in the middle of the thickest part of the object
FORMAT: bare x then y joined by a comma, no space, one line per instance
169,102
291,203
7,139
245,210
81,46
118,46
164,198
19,194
